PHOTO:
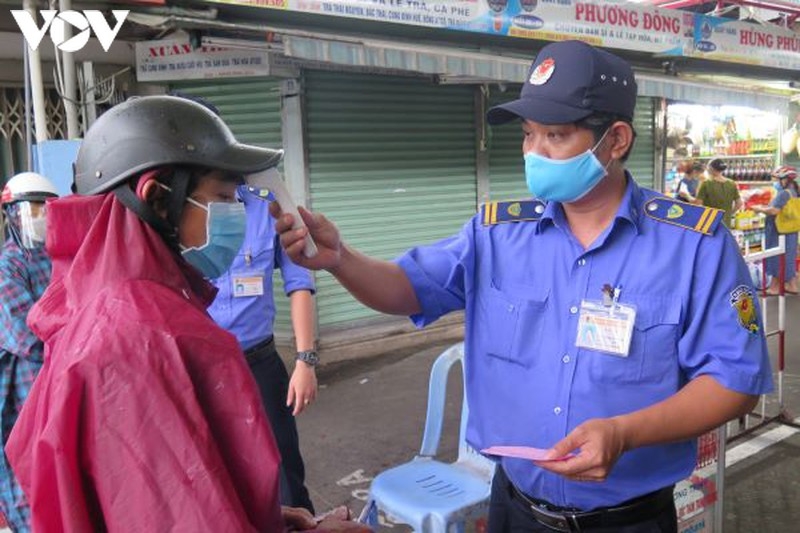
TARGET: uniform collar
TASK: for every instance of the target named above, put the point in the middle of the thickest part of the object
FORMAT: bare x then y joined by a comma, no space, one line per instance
630,209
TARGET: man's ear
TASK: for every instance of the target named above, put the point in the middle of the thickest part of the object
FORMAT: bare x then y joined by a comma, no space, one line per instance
622,137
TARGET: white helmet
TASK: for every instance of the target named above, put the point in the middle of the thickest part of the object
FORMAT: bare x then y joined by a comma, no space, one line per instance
19,200
28,186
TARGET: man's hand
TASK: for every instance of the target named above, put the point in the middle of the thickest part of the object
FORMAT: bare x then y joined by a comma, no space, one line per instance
600,441
322,230
302,387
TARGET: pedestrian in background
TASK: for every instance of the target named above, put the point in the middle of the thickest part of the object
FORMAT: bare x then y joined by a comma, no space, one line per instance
592,249
720,192
245,306
24,275
785,184
690,182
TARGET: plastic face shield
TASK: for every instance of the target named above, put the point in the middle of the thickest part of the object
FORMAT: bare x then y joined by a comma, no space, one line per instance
32,224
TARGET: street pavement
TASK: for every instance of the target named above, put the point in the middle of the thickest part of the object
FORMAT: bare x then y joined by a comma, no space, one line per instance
369,417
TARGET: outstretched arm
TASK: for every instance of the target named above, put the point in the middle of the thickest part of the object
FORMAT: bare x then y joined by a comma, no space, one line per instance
379,284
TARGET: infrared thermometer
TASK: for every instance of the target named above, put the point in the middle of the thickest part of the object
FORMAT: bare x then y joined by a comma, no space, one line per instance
271,179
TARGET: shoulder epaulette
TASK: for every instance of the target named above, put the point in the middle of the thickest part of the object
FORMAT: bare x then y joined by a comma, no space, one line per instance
262,194
688,216
512,211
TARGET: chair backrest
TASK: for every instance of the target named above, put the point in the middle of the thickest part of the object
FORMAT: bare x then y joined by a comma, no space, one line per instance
437,392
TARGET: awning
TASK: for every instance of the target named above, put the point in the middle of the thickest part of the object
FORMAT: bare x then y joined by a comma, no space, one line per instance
453,66
472,67
709,94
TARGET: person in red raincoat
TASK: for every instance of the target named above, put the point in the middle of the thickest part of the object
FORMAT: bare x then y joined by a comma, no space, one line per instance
145,416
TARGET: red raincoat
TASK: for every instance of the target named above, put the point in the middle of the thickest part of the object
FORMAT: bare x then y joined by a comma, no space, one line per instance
145,416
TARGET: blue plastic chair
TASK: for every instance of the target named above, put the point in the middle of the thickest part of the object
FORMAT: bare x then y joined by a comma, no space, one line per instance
429,495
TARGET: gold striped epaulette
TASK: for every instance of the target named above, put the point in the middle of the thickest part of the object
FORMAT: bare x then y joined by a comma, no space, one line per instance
689,216
512,211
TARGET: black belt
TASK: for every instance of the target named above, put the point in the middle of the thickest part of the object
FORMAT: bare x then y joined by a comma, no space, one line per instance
640,509
260,350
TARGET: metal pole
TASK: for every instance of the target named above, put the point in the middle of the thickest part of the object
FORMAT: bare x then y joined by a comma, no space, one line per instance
37,83
27,98
70,96
89,107
719,512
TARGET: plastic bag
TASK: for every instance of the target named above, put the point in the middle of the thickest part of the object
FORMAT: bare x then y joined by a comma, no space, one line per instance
788,219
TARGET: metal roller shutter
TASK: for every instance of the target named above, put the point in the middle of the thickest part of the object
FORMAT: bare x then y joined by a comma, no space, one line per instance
391,162
506,167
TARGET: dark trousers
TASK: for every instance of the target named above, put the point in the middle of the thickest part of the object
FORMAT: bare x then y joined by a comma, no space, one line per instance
273,383
510,515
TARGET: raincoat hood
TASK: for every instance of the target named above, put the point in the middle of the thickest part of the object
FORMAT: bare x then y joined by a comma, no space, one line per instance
95,242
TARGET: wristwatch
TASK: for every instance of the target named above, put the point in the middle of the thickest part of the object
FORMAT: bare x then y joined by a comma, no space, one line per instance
309,357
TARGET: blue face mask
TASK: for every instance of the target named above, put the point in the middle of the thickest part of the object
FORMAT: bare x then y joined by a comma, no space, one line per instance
225,227
563,180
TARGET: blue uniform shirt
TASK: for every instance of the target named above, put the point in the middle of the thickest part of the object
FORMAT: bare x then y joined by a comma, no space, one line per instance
528,384
251,318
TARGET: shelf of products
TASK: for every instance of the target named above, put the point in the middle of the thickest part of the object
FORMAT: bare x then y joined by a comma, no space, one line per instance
746,139
749,168
748,229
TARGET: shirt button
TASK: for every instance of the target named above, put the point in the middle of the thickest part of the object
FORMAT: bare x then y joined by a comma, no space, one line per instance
510,308
573,310
581,262
557,410
565,359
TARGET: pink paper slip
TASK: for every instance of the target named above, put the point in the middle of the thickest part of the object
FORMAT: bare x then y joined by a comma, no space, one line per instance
523,452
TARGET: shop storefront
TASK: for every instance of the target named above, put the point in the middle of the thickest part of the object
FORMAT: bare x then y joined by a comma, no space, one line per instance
746,140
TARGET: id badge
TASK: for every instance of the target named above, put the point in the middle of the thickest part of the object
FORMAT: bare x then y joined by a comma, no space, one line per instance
247,284
606,328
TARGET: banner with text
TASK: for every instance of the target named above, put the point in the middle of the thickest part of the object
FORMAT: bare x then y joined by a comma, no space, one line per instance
742,42
175,59
608,24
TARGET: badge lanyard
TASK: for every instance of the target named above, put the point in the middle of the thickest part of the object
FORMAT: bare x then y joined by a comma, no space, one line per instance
607,325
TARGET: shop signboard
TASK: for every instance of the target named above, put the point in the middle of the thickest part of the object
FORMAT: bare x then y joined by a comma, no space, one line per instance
697,498
177,59
730,40
602,23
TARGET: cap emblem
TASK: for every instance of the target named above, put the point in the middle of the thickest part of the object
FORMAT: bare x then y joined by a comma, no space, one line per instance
542,73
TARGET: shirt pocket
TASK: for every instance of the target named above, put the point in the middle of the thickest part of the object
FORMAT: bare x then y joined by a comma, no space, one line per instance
509,323
653,353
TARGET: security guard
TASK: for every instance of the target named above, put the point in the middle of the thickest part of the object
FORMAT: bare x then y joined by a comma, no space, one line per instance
599,316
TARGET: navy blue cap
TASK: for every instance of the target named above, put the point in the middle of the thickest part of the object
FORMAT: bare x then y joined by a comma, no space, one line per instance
567,82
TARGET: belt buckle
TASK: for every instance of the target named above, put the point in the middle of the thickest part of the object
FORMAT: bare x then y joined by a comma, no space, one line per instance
566,522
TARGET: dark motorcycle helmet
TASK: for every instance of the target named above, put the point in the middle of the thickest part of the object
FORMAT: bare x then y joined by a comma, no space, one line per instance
148,132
